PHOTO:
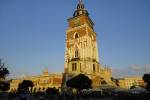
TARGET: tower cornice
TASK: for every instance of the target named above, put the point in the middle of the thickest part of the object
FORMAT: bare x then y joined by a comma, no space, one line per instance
79,27
71,18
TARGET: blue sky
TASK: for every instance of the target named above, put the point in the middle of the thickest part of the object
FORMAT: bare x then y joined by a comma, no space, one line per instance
32,34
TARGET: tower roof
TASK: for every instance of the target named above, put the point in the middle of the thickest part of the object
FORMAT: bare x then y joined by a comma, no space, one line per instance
80,9
45,72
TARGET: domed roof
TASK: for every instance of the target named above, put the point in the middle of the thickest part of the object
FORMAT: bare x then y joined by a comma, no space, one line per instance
80,9
45,72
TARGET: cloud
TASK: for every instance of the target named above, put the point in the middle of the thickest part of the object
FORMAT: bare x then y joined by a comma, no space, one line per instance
143,69
134,67
131,70
146,68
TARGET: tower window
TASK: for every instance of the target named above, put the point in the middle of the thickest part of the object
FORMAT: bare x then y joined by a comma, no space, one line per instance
93,67
74,66
76,53
80,67
76,35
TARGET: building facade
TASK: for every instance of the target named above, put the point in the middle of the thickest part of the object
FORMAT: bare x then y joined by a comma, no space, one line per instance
40,82
128,82
81,55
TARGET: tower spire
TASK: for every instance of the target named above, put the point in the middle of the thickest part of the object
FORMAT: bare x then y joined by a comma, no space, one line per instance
80,9
80,2
80,5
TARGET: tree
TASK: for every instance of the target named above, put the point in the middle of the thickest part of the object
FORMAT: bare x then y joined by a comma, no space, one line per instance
80,82
52,91
3,71
132,87
24,86
52,94
4,85
146,79
103,82
116,81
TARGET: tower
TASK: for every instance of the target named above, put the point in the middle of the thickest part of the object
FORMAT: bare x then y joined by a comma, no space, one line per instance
81,54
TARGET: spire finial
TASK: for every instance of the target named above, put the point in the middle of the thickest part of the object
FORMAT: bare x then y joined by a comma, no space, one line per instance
80,9
80,2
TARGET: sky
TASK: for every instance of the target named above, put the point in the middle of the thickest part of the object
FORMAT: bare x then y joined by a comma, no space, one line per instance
32,34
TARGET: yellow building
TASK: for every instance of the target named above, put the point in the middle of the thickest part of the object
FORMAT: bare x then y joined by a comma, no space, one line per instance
41,82
81,55
127,82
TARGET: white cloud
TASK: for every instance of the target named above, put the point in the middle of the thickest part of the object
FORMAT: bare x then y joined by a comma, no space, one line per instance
132,70
134,67
146,68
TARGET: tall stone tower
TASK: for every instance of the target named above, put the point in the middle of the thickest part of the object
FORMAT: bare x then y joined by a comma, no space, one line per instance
81,45
81,55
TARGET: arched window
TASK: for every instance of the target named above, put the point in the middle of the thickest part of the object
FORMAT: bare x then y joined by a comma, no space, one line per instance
80,67
76,53
76,35
93,67
74,66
